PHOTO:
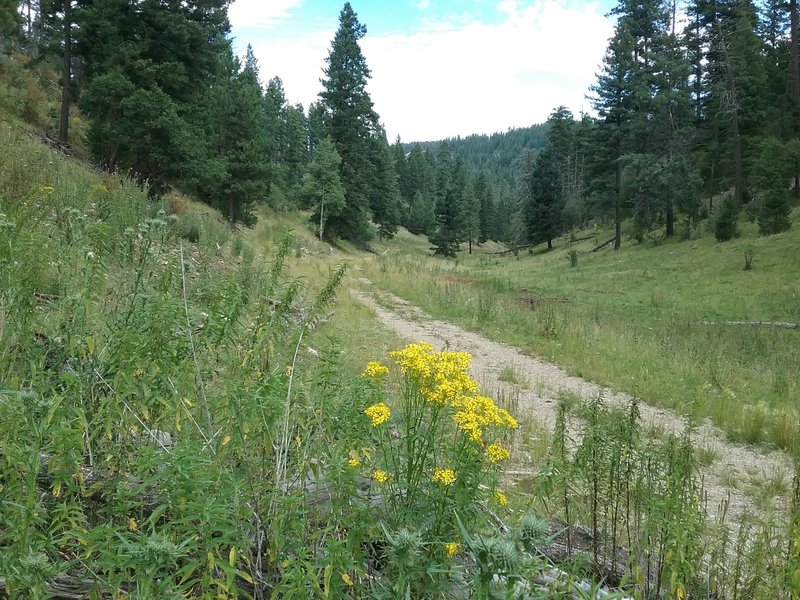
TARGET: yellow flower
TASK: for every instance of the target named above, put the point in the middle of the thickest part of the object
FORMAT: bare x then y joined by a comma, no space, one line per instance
380,476
414,360
444,476
497,453
353,461
47,190
346,578
680,593
500,498
375,370
379,413
451,548
132,524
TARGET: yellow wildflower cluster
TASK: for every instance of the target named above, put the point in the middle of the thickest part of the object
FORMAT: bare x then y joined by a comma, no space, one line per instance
451,548
500,498
379,413
375,370
497,453
475,413
353,461
441,376
444,476
442,379
380,476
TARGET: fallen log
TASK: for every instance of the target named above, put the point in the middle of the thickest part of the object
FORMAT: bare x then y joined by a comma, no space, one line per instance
779,324
604,244
64,587
512,250
579,239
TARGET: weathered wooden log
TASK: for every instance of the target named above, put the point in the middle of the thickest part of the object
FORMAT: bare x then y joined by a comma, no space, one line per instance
512,250
579,239
778,324
64,587
604,244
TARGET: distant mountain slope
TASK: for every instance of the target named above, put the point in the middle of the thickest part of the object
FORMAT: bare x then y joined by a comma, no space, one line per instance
495,154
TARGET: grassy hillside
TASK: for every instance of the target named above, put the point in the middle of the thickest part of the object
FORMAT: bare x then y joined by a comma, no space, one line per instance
185,409
637,319
151,360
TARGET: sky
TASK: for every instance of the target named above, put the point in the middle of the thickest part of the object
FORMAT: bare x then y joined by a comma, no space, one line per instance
440,68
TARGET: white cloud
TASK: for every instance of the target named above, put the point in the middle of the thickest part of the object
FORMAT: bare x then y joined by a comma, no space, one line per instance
260,13
447,80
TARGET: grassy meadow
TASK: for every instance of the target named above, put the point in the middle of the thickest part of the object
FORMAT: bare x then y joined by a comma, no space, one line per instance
647,320
193,411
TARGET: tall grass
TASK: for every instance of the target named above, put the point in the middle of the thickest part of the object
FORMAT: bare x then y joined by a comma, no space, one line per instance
181,415
629,336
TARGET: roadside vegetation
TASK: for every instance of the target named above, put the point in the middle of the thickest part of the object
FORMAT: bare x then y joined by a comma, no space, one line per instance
648,320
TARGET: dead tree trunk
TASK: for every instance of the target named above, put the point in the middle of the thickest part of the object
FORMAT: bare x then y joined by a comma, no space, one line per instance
66,74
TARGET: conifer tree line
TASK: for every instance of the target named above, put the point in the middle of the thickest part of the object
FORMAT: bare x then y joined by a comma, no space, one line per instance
168,102
696,114
692,120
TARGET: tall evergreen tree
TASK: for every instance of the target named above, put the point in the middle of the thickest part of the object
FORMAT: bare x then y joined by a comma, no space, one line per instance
543,197
244,144
487,215
614,102
148,65
450,182
384,191
472,216
771,171
294,145
351,122
10,24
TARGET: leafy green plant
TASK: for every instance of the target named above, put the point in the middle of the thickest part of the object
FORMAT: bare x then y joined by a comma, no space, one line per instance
572,257
433,450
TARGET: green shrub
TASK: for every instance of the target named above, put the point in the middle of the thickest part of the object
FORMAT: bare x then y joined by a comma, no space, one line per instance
726,220
773,213
572,257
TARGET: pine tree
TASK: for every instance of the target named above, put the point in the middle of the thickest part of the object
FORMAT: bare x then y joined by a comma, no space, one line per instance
294,145
543,197
148,67
771,172
351,122
317,127
384,191
726,219
245,144
450,183
421,217
10,25
472,216
274,105
614,102
487,215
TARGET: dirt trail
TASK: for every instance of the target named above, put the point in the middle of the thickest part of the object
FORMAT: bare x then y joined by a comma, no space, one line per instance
735,466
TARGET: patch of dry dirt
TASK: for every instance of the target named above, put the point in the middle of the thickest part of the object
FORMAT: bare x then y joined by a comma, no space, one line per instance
734,466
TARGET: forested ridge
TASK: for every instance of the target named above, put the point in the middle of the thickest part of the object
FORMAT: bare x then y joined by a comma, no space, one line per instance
695,115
